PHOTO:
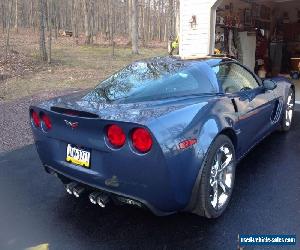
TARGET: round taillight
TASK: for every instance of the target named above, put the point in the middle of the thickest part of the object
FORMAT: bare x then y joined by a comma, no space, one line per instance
116,136
35,118
141,140
46,120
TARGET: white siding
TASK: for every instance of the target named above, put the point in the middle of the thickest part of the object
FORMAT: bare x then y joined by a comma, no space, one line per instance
195,41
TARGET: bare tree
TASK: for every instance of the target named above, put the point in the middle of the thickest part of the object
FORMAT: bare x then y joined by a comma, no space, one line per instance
50,22
75,16
16,20
134,27
177,18
87,22
170,25
3,18
114,19
129,20
43,52
8,29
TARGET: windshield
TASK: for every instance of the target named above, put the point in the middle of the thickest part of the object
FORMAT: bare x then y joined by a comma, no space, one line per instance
147,81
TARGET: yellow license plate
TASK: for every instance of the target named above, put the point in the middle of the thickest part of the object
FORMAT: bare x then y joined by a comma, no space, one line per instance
78,156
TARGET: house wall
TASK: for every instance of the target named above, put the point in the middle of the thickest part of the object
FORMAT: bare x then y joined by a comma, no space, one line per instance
195,41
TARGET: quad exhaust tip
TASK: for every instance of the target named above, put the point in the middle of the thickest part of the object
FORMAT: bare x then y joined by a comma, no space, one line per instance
102,200
74,189
93,197
69,187
78,190
99,198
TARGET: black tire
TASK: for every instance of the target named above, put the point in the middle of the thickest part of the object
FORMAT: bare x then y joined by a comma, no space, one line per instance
204,205
285,124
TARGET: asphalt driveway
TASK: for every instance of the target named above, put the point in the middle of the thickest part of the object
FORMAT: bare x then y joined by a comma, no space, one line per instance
35,209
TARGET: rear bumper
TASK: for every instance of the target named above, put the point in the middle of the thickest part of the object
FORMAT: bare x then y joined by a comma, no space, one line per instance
110,192
146,179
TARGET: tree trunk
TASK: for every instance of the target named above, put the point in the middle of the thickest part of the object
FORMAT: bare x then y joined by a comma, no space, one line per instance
149,21
112,23
170,19
43,52
3,17
177,18
8,30
86,22
134,27
142,22
159,20
50,20
16,20
31,14
75,8
129,21
50,43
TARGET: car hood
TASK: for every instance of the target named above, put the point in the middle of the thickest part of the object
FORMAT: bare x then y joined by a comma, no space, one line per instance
140,112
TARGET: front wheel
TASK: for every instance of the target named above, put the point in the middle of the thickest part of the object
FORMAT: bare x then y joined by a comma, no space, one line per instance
288,113
217,179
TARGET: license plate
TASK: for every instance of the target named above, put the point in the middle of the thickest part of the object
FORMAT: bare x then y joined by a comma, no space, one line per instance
78,156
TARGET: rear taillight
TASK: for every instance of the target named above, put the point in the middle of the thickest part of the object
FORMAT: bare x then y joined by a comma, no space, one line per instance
36,119
141,140
116,136
46,120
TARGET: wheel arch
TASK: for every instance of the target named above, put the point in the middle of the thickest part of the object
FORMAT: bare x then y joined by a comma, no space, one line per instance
293,87
229,132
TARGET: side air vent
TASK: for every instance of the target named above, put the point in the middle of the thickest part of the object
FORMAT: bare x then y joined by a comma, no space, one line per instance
277,111
73,112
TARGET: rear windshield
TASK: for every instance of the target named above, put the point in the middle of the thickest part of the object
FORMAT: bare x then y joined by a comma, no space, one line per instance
147,81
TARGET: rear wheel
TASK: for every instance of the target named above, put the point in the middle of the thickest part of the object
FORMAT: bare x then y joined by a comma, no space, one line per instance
288,113
217,179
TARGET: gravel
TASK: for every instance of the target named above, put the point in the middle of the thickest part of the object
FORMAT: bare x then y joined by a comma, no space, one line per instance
15,129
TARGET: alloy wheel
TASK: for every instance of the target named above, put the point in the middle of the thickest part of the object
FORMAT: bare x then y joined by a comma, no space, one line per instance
289,109
221,177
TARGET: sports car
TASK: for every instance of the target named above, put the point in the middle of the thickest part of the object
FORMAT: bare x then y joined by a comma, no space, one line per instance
165,134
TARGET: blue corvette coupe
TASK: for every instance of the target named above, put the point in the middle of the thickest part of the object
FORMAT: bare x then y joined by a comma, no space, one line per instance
164,133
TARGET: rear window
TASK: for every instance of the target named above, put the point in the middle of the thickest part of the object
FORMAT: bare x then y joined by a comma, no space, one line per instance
146,81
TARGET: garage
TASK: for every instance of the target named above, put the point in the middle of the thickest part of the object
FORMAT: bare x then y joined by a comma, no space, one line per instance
263,35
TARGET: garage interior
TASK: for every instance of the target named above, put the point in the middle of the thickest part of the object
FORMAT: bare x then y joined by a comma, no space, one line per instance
263,35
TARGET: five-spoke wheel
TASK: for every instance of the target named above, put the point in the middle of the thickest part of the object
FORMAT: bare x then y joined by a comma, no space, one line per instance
221,177
288,114
217,178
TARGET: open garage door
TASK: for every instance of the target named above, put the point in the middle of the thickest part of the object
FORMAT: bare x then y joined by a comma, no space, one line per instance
263,35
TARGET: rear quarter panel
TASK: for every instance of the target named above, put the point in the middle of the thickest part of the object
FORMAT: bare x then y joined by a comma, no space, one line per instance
201,120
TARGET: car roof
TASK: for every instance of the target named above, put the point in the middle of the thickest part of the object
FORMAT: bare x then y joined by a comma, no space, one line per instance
212,61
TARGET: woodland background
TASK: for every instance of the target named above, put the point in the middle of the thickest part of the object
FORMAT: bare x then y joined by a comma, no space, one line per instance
58,46
137,21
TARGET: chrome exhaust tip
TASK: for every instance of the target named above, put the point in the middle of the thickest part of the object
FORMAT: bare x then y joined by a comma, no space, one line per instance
69,187
93,197
102,200
77,191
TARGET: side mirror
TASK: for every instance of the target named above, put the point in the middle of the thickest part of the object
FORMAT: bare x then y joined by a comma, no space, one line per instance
269,84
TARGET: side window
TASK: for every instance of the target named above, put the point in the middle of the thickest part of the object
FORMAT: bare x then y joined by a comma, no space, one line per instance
234,78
